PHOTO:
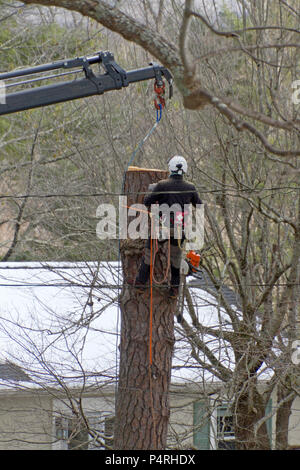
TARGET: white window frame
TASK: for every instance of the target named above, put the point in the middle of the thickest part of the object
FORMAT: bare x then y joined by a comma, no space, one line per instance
98,425
214,435
62,444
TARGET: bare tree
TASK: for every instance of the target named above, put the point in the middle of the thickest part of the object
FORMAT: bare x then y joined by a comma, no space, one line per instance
235,71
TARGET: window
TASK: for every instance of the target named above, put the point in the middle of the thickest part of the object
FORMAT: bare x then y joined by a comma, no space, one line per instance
71,433
102,431
61,428
214,425
109,431
225,429
78,435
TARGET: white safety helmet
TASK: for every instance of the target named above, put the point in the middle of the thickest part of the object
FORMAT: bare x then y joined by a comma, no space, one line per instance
177,165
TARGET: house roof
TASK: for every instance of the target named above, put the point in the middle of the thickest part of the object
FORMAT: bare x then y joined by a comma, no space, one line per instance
60,322
11,372
202,280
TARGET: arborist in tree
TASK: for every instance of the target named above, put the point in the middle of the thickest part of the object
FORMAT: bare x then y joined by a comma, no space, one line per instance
173,191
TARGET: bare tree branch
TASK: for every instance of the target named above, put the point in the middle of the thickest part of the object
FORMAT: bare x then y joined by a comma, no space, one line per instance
187,60
237,32
249,47
195,96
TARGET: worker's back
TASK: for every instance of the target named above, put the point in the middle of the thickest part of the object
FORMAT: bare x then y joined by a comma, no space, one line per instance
173,190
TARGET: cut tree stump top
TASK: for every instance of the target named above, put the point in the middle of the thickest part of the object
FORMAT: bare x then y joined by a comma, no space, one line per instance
136,168
137,181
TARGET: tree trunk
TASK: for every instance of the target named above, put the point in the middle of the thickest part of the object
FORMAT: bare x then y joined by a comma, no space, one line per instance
283,414
142,406
249,410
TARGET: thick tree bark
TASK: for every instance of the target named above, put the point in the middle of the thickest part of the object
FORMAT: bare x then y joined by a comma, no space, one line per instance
284,411
250,409
142,407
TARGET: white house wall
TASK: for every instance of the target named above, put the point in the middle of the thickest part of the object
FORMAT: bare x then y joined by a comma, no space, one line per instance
25,422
